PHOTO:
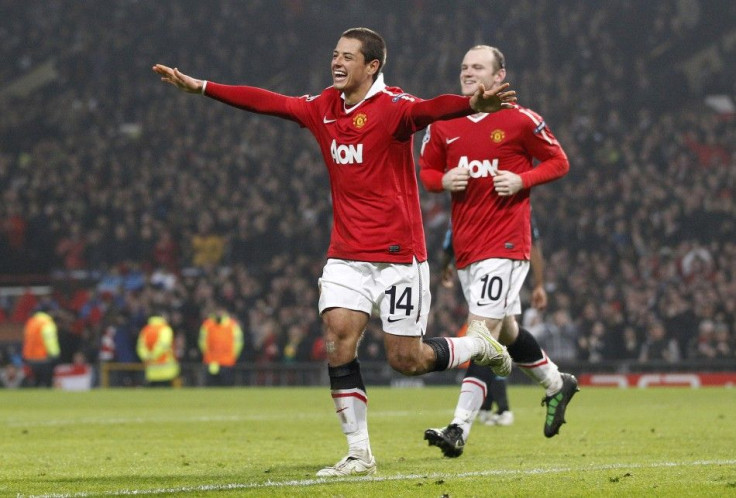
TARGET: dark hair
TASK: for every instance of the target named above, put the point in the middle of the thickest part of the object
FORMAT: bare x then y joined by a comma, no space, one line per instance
373,46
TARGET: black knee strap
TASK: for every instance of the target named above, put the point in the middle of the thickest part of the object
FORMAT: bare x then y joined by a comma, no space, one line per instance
346,376
441,351
525,348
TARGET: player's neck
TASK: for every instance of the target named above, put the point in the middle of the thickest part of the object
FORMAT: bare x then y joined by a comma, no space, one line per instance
358,94
356,97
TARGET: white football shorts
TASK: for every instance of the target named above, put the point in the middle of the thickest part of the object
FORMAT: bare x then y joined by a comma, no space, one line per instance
492,286
398,293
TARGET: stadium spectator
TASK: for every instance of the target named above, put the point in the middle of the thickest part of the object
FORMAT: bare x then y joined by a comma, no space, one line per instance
382,235
221,341
486,163
723,343
657,346
703,346
560,337
11,376
296,347
155,348
208,247
118,345
41,347
593,346
651,154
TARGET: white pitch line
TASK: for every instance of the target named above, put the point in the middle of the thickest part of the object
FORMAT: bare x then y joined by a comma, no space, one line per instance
397,477
85,421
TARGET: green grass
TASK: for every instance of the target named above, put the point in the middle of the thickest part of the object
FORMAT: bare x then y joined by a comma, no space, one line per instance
270,442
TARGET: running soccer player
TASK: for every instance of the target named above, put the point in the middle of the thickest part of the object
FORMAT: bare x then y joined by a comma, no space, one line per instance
495,386
486,162
377,255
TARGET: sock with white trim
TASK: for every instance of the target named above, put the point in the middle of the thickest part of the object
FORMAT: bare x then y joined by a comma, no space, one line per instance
351,406
528,355
452,351
472,393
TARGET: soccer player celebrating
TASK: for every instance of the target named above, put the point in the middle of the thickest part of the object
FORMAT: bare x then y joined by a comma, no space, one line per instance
485,161
377,255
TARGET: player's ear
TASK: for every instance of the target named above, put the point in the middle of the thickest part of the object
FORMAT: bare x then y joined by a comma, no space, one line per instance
373,67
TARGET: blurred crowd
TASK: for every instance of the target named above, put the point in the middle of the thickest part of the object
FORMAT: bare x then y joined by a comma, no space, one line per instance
137,199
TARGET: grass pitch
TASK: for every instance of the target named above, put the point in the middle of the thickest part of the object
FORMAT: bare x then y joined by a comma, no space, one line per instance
271,441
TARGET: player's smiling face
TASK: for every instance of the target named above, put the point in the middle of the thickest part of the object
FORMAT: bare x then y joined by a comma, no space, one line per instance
479,66
350,73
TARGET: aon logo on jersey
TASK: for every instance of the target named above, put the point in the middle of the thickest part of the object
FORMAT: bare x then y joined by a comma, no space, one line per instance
346,154
479,169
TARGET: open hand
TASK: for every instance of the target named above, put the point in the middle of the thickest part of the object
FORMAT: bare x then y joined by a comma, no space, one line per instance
492,100
178,79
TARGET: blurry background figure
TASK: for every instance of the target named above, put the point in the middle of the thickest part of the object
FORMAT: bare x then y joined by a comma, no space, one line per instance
40,347
11,377
74,376
221,341
498,394
658,346
156,350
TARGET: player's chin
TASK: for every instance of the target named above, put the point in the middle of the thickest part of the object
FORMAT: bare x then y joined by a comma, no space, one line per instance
468,90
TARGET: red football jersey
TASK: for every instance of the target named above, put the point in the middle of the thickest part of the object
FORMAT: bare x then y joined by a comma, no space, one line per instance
368,151
486,225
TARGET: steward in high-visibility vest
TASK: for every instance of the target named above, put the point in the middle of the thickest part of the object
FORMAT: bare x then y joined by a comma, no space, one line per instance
41,347
221,341
156,350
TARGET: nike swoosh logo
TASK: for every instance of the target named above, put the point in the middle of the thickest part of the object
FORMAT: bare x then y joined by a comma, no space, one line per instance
392,320
484,304
450,140
328,121
341,410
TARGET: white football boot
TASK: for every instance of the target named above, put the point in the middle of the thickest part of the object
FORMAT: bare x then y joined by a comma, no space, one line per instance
350,466
494,354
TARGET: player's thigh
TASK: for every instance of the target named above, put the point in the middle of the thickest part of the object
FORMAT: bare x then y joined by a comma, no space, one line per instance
345,284
492,287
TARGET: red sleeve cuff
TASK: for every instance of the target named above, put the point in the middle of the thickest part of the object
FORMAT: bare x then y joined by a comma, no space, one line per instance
432,179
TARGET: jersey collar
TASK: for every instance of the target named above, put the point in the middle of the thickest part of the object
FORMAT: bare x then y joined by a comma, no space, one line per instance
377,87
477,117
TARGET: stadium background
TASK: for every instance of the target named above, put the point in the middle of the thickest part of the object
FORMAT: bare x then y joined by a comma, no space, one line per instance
121,197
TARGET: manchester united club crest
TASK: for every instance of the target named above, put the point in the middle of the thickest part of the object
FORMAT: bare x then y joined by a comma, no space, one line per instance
497,136
360,120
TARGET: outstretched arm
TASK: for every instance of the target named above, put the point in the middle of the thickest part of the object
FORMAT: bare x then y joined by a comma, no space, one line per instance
248,98
444,107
